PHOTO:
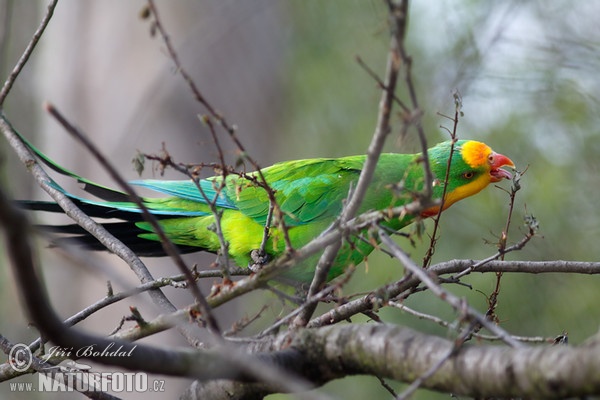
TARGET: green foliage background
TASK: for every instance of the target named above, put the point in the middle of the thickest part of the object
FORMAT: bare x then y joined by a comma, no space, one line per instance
527,73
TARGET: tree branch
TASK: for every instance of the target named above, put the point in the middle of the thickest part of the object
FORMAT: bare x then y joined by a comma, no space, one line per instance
402,354
98,231
167,244
458,304
27,53
382,129
375,299
483,371
220,363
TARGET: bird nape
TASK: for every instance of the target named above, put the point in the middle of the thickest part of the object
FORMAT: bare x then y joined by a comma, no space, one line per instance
310,194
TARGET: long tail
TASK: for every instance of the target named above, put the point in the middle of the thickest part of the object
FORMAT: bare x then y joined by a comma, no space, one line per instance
114,204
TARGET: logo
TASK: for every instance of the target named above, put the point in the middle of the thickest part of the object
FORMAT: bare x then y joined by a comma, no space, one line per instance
69,375
20,357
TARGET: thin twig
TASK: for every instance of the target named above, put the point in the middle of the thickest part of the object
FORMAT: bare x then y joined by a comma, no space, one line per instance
446,324
381,84
266,230
230,129
309,302
110,299
27,53
82,219
493,298
387,387
212,204
470,313
382,129
167,244
415,116
190,172
239,326
477,266
436,220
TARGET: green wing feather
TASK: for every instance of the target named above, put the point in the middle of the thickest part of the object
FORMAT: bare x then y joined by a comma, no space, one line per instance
305,190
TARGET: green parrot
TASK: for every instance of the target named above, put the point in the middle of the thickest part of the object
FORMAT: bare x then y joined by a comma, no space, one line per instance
310,194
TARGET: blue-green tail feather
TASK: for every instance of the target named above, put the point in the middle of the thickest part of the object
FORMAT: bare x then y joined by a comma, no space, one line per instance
186,201
116,204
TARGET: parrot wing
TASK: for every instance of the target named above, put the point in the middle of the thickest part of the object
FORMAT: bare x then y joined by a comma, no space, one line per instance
305,190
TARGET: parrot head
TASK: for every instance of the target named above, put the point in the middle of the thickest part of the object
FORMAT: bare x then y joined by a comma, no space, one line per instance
474,166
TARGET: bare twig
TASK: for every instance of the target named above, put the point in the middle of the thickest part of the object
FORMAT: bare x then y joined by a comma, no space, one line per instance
452,300
167,244
190,172
27,53
219,231
116,297
436,220
309,302
267,229
96,230
517,246
183,72
226,363
242,324
381,84
446,324
230,129
387,387
493,298
415,116
382,129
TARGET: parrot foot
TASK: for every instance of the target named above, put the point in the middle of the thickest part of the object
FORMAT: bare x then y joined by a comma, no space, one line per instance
259,260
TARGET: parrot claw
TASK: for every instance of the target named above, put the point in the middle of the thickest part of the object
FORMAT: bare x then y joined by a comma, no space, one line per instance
259,260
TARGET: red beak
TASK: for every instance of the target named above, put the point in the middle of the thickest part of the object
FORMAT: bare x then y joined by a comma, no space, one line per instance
496,171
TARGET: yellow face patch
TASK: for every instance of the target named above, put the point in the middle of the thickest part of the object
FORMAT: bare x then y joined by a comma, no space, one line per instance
467,190
459,193
475,153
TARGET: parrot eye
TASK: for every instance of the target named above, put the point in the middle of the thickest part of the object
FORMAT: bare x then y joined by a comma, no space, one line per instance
468,174
491,158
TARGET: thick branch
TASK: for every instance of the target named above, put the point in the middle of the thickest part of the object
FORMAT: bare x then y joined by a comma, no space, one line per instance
403,354
483,371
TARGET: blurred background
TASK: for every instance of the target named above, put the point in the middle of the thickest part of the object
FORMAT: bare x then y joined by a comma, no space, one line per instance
285,74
